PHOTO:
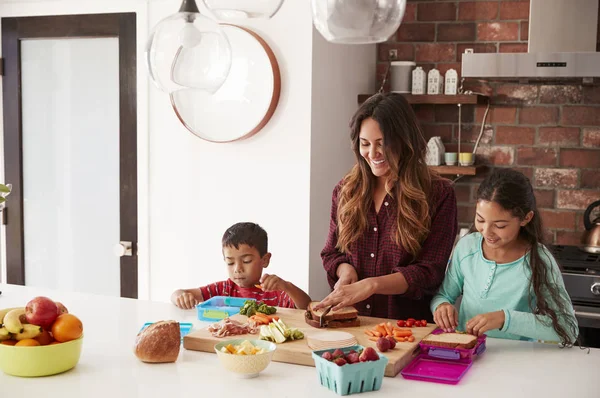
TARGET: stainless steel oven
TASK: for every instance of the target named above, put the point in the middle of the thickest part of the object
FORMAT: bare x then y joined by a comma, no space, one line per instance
581,273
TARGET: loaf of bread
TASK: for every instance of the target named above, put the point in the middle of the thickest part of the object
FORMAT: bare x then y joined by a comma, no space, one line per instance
159,342
451,340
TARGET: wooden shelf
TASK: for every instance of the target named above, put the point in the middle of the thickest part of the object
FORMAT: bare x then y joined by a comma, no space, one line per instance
467,99
456,170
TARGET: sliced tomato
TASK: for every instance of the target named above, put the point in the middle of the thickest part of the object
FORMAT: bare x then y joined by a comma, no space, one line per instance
409,323
401,323
423,322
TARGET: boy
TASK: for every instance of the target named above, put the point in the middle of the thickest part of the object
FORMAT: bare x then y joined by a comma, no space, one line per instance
245,253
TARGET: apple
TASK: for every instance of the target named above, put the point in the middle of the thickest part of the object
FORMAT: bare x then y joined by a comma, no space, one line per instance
41,311
61,308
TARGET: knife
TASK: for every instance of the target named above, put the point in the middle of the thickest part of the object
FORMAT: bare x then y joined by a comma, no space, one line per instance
321,318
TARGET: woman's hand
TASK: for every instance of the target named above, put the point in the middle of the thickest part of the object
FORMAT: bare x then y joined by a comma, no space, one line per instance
481,323
446,317
186,301
346,274
348,294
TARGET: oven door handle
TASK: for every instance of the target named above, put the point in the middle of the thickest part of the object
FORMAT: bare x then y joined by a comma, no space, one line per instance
589,315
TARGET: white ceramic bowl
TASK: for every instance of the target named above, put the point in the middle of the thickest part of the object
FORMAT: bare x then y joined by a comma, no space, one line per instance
246,366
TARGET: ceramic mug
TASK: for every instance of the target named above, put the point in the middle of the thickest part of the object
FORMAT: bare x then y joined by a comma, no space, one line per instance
465,158
451,158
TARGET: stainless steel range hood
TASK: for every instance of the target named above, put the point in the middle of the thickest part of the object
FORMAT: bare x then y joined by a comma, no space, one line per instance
562,45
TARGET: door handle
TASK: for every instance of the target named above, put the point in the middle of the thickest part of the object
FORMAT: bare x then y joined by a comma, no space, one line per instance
595,289
123,248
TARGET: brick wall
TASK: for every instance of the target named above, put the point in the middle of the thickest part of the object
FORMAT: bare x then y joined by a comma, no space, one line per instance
551,133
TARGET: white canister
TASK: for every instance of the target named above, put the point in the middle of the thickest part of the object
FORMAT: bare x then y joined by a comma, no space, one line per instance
434,82
451,85
400,76
435,152
419,81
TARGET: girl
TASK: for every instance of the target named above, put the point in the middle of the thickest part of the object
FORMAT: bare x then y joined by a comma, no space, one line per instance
511,285
393,220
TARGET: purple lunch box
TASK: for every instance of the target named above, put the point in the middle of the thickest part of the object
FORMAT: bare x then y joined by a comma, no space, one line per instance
442,365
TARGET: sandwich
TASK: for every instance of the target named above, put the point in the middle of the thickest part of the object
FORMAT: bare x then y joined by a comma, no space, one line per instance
328,318
451,340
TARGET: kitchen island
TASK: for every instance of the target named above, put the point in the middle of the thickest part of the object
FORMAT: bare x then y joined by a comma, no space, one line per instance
108,366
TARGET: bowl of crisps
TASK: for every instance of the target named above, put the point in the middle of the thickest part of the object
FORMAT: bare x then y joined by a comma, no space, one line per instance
246,358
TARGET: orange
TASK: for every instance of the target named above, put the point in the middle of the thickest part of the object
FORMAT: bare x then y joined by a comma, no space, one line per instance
9,342
67,327
44,338
27,343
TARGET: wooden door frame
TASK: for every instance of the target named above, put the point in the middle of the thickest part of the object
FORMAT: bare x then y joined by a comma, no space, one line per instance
121,26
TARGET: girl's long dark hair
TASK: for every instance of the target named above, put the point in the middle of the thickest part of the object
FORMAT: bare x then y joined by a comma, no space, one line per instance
513,191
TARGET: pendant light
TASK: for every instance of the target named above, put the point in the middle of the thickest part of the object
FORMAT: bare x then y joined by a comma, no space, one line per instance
239,9
357,21
188,50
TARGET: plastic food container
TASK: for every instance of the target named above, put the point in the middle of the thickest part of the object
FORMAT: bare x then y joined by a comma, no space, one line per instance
184,327
442,365
350,378
220,307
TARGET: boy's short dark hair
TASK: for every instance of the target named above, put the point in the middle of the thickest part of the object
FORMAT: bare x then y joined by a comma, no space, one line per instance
246,233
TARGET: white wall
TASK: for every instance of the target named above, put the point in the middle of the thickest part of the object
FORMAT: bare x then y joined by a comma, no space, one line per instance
350,70
281,178
198,189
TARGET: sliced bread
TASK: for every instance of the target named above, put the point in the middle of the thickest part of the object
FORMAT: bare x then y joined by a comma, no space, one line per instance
345,313
451,340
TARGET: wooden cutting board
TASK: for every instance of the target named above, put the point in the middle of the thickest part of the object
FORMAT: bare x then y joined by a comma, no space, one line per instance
298,352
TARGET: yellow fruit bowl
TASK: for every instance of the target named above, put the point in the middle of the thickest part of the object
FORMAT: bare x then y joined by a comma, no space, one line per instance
246,366
40,360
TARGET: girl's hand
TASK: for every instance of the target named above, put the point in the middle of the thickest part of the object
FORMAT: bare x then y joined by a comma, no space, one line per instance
348,294
346,275
271,283
186,301
446,317
481,323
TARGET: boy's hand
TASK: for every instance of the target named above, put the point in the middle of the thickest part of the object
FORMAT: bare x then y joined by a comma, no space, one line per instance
481,323
271,283
446,317
186,301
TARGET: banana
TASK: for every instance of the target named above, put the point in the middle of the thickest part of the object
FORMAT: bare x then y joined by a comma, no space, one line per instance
12,322
4,334
6,311
29,332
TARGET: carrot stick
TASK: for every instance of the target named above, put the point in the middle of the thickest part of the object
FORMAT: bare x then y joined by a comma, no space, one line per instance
411,338
369,333
377,333
381,330
402,334
399,339
373,338
262,318
387,329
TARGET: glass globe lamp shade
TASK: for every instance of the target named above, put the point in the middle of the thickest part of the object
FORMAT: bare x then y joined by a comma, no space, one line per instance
188,50
357,21
240,9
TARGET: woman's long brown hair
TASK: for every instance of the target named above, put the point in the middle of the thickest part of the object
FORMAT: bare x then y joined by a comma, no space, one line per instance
513,191
409,181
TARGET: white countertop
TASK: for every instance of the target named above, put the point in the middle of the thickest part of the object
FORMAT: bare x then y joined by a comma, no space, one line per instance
108,366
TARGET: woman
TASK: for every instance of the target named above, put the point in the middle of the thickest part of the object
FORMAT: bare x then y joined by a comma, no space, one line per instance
393,220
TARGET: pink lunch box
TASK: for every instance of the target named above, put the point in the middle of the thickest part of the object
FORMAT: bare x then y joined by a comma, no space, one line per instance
442,365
